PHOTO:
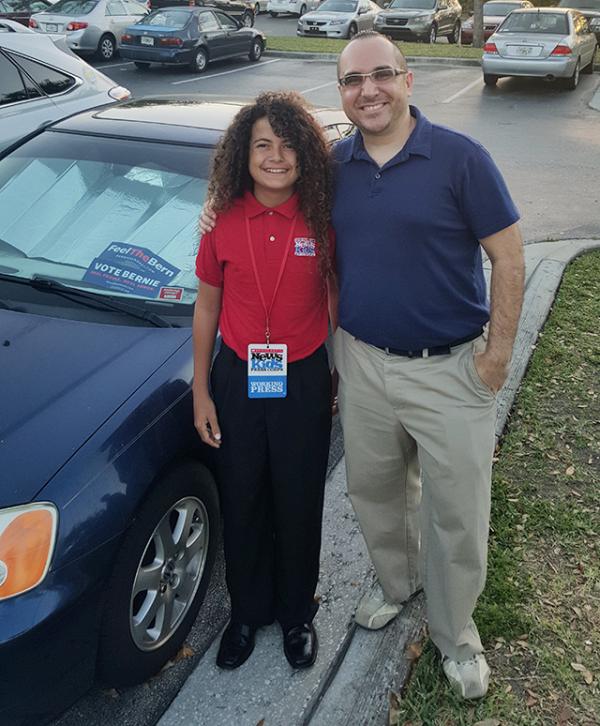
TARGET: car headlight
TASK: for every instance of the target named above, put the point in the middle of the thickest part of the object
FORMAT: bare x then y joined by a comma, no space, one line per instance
337,22
379,19
27,537
595,23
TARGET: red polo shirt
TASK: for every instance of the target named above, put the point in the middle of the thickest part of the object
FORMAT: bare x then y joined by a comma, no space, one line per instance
299,314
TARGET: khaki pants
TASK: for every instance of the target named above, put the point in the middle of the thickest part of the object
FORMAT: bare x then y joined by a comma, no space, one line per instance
402,416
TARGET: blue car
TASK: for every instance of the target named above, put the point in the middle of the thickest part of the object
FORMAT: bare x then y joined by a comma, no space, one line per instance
109,518
191,36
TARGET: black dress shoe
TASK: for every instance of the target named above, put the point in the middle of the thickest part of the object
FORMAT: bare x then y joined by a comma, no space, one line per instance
300,645
237,643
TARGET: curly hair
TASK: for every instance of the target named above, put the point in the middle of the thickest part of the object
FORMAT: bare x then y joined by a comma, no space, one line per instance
290,118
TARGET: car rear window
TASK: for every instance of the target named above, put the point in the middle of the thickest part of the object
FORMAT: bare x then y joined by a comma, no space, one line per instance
499,8
176,19
549,23
66,199
72,7
580,4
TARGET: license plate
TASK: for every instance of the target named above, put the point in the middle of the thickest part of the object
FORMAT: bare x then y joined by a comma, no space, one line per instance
51,28
147,41
313,28
524,51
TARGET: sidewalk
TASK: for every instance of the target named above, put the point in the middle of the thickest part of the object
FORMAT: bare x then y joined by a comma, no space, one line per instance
355,669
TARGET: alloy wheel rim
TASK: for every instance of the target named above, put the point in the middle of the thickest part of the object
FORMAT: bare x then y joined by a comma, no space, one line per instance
169,574
200,61
107,49
257,50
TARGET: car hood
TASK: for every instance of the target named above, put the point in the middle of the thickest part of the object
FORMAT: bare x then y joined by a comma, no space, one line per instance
60,380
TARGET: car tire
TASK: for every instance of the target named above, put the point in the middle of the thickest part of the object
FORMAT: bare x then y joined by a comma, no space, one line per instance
273,14
256,50
199,61
107,47
302,11
134,641
432,36
141,66
256,9
454,36
248,19
590,66
489,79
572,82
352,31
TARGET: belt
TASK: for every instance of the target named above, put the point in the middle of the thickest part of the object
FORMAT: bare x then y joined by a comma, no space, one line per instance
435,350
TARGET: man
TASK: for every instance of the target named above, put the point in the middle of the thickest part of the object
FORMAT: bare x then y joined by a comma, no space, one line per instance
419,367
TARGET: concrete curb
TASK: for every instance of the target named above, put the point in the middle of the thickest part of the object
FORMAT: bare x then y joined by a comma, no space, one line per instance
332,57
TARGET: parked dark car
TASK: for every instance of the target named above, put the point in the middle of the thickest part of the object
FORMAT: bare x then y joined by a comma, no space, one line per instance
189,36
420,20
494,13
238,9
21,10
108,510
590,9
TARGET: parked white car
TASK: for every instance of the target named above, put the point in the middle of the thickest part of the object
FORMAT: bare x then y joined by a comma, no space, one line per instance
43,81
91,26
292,7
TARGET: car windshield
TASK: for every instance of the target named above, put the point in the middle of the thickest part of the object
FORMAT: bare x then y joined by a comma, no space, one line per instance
413,4
72,7
549,23
167,18
337,6
580,4
115,217
499,8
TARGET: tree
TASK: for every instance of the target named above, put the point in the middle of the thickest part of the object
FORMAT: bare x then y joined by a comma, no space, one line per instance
478,24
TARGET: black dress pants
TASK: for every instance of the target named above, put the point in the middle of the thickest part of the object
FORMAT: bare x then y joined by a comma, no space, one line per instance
271,468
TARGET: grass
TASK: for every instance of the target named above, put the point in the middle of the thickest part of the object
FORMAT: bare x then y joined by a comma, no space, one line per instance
539,615
412,50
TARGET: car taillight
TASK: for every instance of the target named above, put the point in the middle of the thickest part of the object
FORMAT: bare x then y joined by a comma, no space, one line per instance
562,50
75,25
490,48
126,38
32,23
171,41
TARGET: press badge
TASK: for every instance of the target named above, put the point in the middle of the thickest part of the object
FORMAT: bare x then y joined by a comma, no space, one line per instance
267,370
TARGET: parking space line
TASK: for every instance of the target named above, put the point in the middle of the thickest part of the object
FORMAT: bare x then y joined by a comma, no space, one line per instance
224,73
112,65
464,90
316,88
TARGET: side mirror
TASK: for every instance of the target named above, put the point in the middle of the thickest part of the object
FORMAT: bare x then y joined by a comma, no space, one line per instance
386,4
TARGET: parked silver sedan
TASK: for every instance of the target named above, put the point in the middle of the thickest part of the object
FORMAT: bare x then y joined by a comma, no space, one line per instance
91,26
43,81
339,19
550,43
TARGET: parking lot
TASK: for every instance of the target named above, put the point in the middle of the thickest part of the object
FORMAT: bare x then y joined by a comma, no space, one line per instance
544,138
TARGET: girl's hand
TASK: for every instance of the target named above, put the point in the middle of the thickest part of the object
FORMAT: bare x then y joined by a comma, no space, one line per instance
334,391
205,420
208,219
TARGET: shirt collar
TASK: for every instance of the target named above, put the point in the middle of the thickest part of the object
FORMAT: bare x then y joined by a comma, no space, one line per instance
253,208
418,143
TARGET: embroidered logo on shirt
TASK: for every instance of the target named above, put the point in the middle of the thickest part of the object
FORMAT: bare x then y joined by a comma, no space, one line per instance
304,247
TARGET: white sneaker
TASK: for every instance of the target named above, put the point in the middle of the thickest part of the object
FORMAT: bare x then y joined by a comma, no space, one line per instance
468,678
373,612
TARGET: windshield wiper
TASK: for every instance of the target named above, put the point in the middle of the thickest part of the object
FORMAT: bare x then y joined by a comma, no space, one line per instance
44,284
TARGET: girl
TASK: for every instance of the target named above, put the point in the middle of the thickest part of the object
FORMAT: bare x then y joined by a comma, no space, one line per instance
263,274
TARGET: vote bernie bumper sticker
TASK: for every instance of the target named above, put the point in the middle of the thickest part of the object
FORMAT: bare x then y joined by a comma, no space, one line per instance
131,270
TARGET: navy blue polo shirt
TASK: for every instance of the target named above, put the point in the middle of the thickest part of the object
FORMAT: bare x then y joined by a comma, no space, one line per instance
408,253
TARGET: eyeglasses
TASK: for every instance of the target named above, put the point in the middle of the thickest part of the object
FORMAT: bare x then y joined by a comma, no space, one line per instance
378,76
